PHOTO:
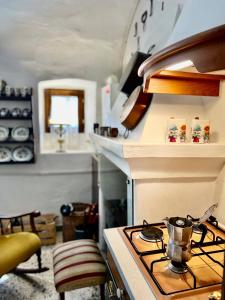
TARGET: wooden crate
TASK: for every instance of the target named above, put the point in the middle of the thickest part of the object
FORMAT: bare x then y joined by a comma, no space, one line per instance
69,225
77,217
45,225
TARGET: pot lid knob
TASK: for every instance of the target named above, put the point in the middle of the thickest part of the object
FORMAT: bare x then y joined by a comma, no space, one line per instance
180,222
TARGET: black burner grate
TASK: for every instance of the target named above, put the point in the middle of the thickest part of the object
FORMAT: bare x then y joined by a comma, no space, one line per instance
148,228
151,233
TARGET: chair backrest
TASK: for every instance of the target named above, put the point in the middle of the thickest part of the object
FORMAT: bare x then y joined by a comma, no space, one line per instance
23,222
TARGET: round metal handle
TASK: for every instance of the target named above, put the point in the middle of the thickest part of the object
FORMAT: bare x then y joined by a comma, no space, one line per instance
111,294
119,293
215,296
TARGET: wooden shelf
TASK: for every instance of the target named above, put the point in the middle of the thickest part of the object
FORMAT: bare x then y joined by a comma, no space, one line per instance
188,76
184,83
16,118
10,143
14,98
12,162
30,141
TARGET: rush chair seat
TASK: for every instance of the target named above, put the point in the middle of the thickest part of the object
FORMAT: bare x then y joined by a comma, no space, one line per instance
16,248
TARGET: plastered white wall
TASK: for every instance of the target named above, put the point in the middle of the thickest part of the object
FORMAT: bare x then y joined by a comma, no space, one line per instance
155,200
45,186
220,196
198,16
214,108
54,179
153,127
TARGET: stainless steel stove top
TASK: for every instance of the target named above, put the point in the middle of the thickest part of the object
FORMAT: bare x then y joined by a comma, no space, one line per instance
204,271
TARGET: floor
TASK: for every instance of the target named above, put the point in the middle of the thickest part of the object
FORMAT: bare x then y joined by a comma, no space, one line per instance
39,286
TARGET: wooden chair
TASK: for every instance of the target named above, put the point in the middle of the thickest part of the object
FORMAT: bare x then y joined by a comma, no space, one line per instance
17,244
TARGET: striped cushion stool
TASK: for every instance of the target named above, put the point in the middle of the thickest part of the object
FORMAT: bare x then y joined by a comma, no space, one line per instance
78,264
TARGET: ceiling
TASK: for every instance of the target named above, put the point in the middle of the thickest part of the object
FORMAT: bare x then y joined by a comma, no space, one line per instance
64,38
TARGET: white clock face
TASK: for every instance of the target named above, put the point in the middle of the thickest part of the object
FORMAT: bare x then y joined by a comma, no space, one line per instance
129,104
152,25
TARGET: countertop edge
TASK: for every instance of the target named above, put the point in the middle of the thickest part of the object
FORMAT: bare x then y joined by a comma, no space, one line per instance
134,281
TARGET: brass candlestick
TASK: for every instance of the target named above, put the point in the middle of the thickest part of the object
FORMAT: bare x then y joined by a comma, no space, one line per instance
61,140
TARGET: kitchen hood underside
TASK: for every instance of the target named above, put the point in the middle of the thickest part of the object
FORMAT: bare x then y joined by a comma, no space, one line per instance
205,50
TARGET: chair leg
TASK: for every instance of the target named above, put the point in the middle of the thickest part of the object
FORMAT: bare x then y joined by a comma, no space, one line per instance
62,296
38,253
102,291
40,269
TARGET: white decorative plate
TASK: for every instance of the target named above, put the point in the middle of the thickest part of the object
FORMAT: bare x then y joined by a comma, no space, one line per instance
4,112
20,134
4,133
5,154
22,154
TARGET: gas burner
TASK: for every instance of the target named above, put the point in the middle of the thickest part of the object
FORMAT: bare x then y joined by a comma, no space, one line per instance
151,234
177,267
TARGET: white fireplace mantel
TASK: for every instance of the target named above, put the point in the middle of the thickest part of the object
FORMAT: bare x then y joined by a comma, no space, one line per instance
144,161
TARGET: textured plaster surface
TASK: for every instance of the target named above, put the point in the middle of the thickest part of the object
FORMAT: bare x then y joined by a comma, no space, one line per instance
59,39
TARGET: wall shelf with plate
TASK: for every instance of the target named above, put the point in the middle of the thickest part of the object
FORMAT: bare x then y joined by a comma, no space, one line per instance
18,162
16,128
17,118
15,98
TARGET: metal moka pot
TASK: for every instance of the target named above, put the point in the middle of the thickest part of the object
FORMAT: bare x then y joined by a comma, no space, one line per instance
180,232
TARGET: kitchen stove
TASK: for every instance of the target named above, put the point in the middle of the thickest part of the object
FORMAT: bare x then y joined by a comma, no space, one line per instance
203,273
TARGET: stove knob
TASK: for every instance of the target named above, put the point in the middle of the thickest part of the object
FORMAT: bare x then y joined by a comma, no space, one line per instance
119,293
111,290
215,296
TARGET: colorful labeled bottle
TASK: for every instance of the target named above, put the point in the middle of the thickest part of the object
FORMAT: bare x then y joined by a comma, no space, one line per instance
176,131
200,131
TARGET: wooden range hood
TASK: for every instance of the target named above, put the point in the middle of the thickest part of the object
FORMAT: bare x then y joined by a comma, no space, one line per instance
206,50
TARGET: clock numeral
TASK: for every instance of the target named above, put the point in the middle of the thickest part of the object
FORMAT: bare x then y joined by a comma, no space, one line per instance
150,49
135,29
144,19
151,8
138,43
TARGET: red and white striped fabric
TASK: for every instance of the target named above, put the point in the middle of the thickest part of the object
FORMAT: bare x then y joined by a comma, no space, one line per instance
77,264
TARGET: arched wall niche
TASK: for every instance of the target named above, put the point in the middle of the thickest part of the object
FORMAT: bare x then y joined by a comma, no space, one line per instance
79,142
